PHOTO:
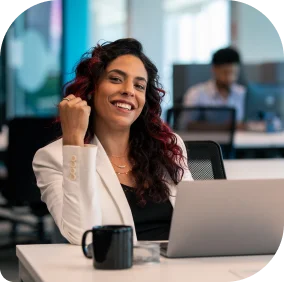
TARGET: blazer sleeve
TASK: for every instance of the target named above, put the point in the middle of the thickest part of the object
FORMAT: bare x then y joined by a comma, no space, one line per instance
66,177
187,174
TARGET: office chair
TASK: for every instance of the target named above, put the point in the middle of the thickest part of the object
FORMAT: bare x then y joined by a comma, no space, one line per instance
205,160
205,123
26,136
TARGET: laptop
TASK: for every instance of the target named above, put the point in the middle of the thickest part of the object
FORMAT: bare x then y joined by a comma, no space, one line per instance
226,218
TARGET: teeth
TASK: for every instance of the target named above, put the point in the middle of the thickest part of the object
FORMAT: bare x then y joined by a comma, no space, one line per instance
123,105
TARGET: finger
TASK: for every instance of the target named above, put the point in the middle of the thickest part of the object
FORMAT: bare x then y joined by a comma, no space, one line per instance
82,103
71,97
74,101
67,99
87,109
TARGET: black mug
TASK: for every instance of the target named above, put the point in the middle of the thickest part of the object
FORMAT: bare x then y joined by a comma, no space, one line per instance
112,246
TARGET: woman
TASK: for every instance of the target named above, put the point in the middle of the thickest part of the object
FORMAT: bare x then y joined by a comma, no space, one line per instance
117,162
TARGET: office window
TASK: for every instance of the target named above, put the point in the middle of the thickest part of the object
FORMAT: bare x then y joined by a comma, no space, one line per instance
193,30
108,20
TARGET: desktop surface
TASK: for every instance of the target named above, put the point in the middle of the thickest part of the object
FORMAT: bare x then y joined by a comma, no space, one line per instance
65,262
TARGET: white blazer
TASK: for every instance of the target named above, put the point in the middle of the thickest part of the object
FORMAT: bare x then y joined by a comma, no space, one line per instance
81,188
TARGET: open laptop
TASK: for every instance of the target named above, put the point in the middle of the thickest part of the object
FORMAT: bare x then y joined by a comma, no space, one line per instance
226,218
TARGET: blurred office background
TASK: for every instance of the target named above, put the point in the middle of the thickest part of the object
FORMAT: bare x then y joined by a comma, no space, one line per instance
44,43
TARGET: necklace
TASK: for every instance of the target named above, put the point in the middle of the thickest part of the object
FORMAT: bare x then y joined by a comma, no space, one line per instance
119,166
117,156
118,173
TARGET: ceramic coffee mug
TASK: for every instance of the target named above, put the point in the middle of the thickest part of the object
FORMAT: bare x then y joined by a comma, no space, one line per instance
112,246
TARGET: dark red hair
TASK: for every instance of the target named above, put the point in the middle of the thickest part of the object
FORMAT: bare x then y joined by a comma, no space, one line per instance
153,149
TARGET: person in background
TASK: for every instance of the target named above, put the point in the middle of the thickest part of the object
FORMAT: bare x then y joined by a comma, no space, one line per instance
222,89
117,162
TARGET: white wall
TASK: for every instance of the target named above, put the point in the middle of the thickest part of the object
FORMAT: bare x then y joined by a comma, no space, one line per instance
254,35
146,24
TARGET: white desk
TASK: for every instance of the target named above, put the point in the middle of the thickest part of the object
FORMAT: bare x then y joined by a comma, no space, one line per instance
246,140
254,169
242,139
57,263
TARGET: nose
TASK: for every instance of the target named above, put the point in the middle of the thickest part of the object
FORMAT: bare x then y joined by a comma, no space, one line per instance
128,89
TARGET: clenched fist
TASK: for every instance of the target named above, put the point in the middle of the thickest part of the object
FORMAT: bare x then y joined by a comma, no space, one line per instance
74,116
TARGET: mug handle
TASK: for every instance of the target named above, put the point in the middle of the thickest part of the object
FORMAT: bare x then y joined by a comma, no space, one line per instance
84,247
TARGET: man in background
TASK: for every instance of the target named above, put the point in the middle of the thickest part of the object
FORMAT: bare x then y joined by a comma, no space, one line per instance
222,90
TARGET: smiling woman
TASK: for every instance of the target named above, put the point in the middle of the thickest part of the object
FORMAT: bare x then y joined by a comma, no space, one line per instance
121,163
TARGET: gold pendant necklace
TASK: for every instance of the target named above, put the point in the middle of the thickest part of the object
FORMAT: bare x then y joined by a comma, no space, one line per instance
119,166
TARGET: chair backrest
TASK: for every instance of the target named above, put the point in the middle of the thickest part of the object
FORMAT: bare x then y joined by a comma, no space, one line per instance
205,123
26,136
205,160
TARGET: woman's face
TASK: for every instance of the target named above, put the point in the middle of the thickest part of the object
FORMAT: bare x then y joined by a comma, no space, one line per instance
120,95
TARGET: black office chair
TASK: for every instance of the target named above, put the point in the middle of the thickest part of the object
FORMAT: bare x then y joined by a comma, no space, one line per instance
205,123
26,136
205,160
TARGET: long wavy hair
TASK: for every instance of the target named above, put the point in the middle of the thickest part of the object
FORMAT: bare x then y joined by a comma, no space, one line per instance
153,150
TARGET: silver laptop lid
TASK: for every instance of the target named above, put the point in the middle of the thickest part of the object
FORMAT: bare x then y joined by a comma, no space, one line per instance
227,217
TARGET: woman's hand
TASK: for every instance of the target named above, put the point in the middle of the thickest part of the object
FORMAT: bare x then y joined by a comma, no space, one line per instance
74,116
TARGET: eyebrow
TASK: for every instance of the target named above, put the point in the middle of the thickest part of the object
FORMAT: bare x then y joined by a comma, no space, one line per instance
124,74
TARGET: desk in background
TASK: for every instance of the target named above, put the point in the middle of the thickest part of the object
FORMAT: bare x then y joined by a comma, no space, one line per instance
66,262
254,169
261,140
247,144
242,139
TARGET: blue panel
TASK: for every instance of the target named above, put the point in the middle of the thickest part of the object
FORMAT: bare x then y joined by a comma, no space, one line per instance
75,34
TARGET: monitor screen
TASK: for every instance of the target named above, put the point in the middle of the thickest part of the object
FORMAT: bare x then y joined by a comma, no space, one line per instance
262,98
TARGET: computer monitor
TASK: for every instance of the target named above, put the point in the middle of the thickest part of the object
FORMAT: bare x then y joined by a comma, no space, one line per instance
262,98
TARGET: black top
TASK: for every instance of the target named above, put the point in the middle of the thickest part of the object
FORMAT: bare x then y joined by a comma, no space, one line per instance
153,221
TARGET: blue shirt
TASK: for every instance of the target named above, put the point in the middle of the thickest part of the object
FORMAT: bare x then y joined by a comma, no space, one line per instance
206,94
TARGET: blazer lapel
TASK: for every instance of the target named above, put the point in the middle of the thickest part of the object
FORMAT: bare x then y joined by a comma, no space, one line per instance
108,175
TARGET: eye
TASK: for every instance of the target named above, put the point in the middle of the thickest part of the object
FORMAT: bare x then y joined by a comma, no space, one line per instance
115,79
140,86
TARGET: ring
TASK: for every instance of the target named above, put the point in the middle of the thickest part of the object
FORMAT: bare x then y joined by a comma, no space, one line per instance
67,99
